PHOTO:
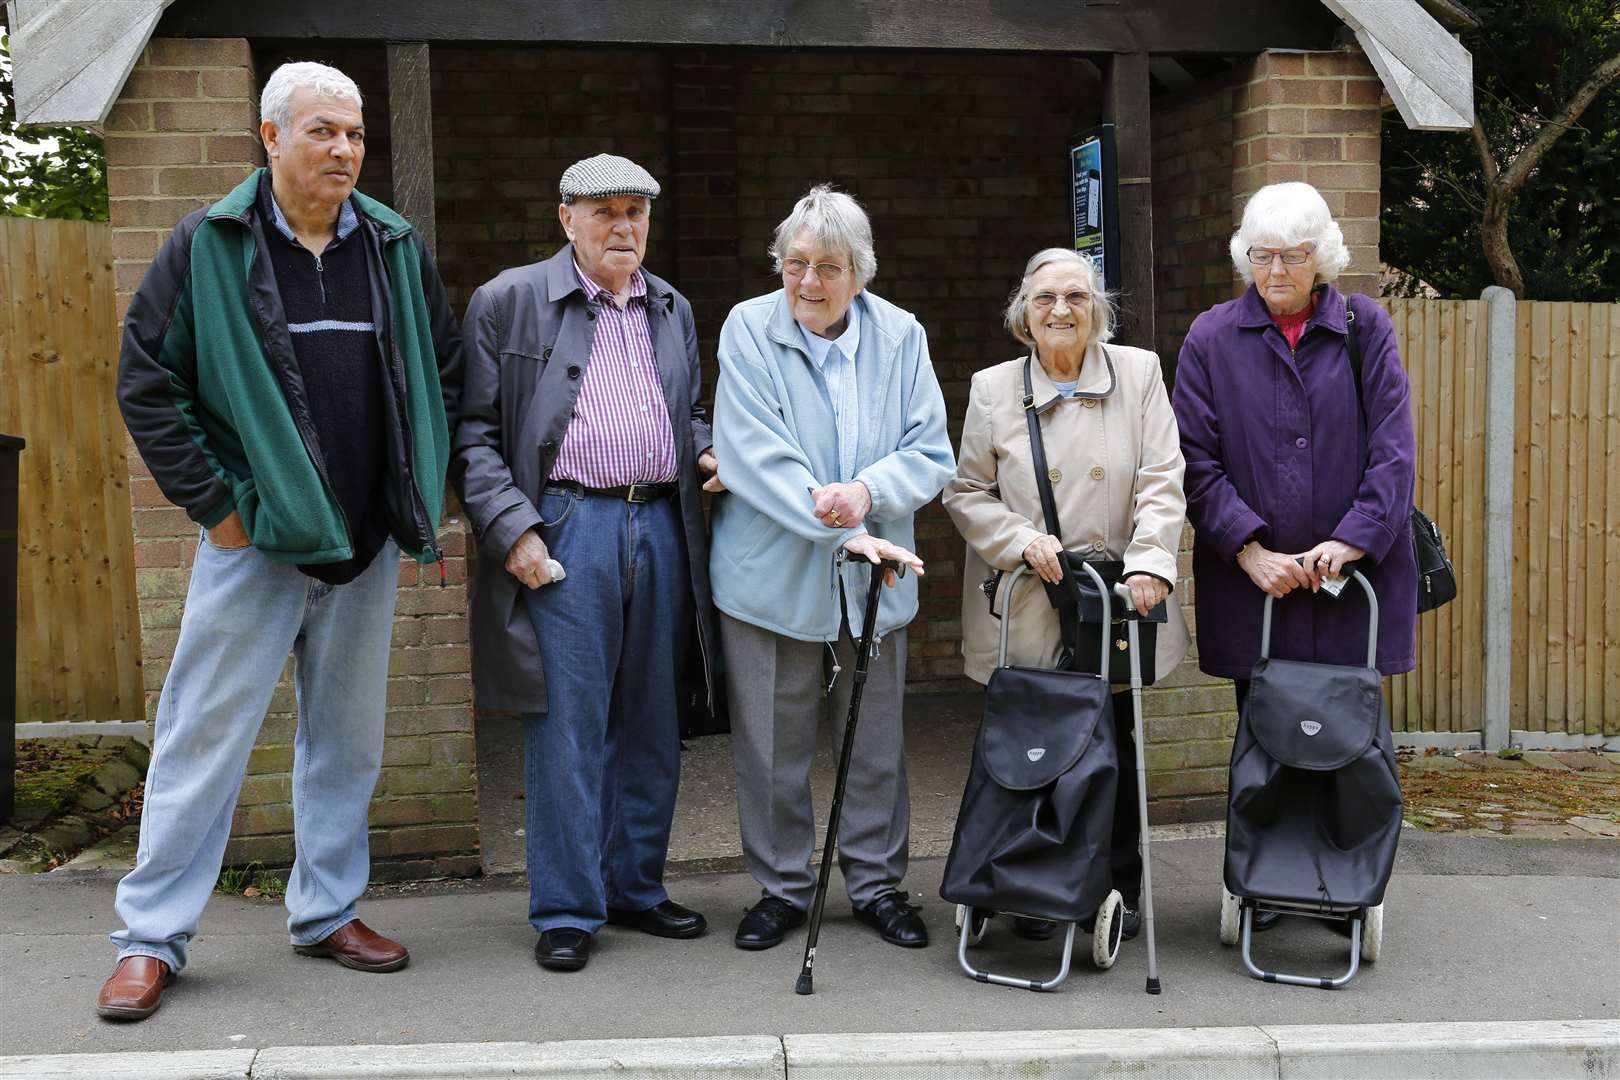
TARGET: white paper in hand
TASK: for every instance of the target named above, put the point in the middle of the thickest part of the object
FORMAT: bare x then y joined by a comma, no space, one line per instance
554,568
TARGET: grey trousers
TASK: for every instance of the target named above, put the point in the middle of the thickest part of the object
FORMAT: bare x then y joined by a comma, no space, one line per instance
776,686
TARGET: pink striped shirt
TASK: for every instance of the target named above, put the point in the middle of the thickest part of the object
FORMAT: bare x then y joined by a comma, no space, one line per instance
620,431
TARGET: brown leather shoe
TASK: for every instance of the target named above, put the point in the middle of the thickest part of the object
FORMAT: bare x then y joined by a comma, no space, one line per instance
355,945
135,989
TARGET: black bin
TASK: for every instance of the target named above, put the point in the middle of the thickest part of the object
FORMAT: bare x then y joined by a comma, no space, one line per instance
10,448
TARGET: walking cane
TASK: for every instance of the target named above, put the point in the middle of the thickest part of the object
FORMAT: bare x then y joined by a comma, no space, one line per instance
1131,619
863,653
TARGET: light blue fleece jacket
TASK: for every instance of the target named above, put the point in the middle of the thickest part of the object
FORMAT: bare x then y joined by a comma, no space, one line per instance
776,437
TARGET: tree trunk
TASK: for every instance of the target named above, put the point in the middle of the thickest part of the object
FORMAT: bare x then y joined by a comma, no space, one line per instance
1493,234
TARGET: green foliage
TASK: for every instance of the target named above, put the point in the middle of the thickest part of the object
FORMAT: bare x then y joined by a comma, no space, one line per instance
1529,58
250,880
48,172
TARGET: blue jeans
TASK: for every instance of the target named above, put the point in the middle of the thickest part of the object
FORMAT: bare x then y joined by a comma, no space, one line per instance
602,764
243,615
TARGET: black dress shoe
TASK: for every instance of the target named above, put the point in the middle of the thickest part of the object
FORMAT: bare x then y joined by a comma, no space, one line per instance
1264,920
896,920
668,919
562,949
767,923
1033,929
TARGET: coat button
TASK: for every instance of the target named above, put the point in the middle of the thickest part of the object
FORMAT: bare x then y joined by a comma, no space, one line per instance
546,354
1055,475
573,371
1096,472
1090,403
549,445
590,313
1099,545
1302,442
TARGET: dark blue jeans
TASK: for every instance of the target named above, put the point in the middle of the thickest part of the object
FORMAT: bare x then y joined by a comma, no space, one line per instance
602,764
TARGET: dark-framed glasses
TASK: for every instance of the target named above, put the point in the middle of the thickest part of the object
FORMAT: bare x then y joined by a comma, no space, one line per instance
1260,256
1076,299
825,271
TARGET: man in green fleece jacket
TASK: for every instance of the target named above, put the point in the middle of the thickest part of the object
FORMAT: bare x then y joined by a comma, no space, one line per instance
290,371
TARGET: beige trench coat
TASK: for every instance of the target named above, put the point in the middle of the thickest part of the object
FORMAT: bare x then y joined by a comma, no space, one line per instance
1118,494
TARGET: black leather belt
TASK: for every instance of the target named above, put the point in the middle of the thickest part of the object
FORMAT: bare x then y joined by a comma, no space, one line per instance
634,493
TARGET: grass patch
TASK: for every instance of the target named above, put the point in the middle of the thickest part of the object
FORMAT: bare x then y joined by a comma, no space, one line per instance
251,880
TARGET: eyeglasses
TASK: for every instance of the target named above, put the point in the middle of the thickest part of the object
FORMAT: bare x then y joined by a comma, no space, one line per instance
828,272
1260,256
1044,300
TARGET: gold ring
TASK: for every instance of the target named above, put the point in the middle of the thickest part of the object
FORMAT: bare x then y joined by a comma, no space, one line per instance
835,518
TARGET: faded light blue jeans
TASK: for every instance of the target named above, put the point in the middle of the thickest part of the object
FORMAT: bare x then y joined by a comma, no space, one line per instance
602,764
243,615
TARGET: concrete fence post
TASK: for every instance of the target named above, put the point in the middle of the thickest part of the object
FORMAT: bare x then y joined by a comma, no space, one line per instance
1501,374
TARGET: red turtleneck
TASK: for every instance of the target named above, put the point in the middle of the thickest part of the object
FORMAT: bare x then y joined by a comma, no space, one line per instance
1292,326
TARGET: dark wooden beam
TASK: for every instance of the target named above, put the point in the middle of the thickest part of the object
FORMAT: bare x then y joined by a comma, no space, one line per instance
410,136
1098,26
1125,105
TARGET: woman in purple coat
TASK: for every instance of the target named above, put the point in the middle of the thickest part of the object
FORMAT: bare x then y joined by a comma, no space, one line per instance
1289,476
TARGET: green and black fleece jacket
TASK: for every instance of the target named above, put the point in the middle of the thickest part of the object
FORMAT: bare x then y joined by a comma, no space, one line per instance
213,397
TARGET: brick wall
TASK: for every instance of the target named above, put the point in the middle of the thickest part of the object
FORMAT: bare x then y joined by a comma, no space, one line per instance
1315,117
183,133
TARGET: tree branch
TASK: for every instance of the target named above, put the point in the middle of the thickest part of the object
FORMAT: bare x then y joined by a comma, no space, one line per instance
1487,160
1525,162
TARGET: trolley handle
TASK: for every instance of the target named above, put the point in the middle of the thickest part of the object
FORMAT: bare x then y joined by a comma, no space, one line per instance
1372,620
1006,616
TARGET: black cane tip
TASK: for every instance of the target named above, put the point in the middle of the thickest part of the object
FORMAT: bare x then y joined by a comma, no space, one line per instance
803,985
1153,986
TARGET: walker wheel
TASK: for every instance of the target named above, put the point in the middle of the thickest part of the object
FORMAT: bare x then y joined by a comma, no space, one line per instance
1231,917
1106,931
981,922
1372,933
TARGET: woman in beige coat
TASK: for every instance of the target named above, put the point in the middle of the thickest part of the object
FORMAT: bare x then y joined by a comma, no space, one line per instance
1114,457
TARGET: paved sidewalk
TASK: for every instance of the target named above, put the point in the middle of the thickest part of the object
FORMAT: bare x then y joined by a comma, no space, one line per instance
1478,929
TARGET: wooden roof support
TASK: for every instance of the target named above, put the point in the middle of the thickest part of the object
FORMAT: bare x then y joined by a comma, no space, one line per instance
410,134
1125,105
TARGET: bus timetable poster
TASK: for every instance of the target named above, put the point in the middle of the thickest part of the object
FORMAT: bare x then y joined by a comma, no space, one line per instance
1092,174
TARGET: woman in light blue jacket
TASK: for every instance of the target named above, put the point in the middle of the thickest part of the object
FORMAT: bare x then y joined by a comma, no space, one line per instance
829,427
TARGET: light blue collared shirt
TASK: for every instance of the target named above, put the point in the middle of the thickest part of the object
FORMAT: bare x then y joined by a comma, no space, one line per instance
347,219
836,359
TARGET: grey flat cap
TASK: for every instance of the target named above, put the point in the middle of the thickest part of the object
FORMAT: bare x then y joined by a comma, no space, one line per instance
605,175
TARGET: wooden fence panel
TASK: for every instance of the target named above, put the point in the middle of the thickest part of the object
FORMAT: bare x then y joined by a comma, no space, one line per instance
1567,531
78,635
1444,346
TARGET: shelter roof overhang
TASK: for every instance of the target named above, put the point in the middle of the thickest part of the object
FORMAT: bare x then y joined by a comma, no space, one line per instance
71,57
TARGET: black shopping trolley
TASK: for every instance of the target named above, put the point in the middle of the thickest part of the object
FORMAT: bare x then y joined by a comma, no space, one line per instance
1314,800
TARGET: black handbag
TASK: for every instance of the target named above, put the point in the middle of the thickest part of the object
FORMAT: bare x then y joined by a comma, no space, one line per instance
1083,616
1437,578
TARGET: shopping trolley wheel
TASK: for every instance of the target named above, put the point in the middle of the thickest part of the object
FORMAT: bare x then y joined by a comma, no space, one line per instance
1231,917
981,922
1372,933
1106,931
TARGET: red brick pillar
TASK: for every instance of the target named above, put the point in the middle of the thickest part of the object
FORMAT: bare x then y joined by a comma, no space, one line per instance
184,133
1316,117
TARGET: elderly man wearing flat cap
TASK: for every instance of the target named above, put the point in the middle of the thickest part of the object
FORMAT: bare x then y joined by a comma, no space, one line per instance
580,459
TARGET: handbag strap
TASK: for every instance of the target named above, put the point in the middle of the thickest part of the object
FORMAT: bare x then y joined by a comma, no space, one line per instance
1352,340
1037,451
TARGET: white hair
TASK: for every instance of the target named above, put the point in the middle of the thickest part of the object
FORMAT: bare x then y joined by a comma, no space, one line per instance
835,221
1016,317
321,80
1285,216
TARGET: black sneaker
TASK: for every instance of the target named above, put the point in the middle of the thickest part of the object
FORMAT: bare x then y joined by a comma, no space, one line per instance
896,920
767,923
1130,922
